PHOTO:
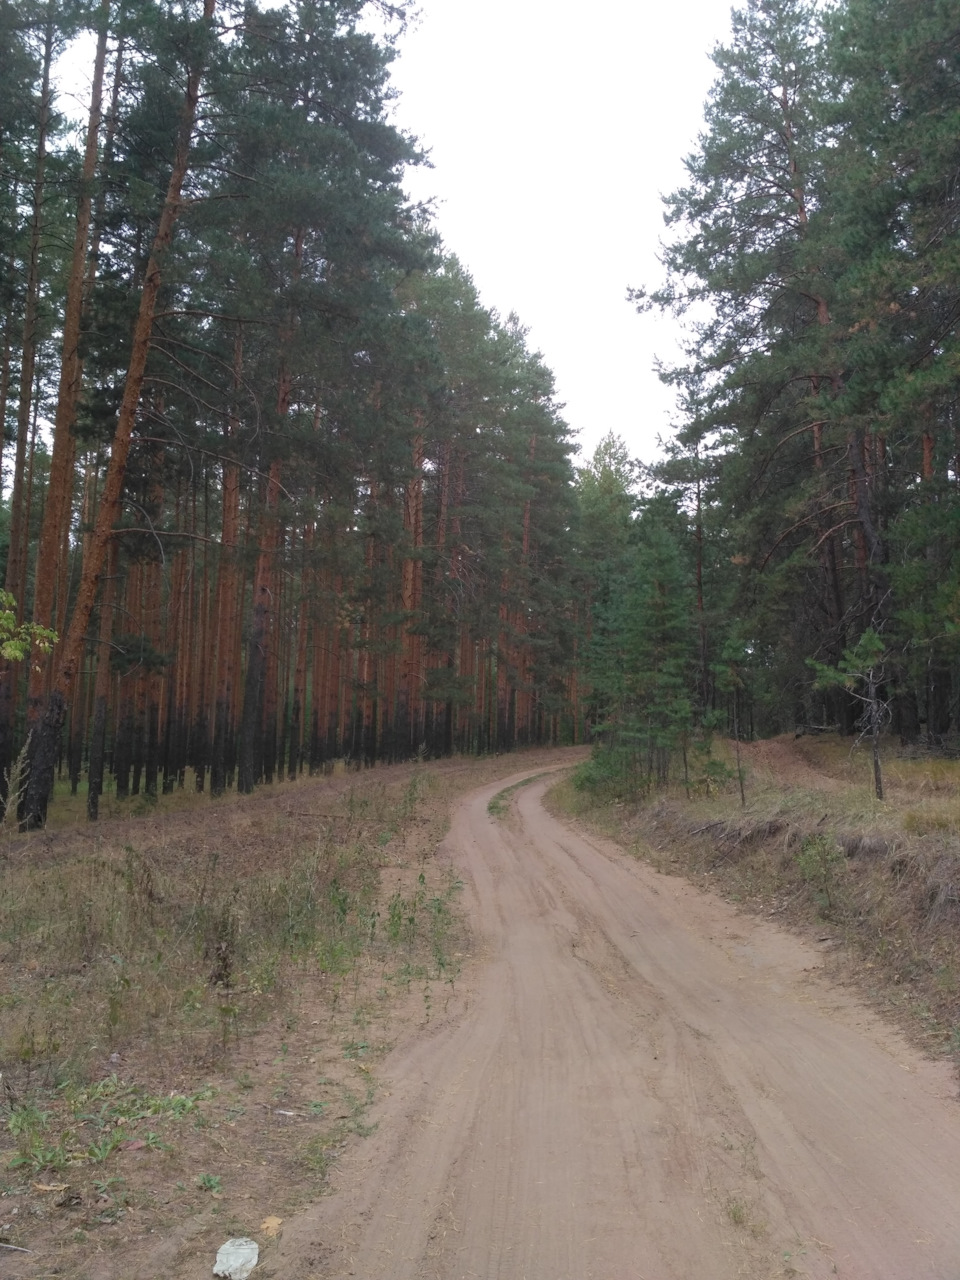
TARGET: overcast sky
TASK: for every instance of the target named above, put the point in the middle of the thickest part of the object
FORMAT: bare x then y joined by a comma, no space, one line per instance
553,130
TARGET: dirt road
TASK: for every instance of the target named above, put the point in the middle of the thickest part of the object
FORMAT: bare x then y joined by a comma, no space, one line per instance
637,1083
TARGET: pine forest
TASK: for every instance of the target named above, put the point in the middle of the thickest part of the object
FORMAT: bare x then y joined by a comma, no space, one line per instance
280,490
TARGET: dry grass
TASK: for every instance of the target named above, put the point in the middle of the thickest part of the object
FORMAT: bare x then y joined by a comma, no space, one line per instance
813,846
176,935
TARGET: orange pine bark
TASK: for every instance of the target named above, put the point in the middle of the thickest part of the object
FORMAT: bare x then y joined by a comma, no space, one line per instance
411,601
44,743
54,533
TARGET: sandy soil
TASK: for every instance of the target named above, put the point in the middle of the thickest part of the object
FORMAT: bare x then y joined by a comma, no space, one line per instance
635,1082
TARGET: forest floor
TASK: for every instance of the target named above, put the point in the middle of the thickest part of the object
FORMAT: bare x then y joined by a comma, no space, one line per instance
492,1043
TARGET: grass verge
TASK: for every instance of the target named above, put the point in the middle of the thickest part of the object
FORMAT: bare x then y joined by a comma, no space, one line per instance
180,942
499,804
813,847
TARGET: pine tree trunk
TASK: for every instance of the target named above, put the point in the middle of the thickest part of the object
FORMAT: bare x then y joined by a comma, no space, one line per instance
295,755
250,761
54,533
411,603
5,367
226,605
101,690
45,741
271,675
123,742
860,497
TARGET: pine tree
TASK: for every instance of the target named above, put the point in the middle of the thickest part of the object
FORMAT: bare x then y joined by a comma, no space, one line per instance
756,256
900,216
324,497
44,743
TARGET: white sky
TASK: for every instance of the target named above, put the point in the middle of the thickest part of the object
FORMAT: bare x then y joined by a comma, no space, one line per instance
553,131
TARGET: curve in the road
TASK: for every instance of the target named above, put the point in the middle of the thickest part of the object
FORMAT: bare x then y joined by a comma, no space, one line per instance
638,1084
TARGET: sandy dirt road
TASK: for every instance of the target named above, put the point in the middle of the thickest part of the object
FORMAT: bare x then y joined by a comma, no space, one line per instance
637,1083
